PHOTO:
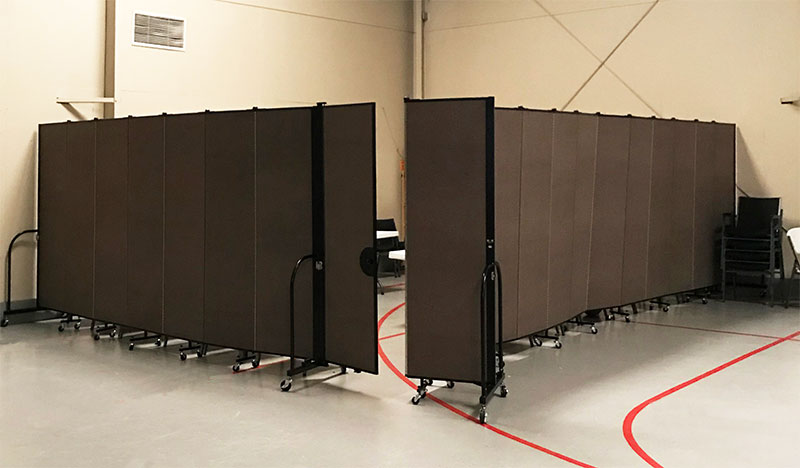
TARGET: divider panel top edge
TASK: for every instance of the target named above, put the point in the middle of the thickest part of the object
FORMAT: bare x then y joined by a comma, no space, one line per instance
446,237
229,272
52,217
284,228
508,149
349,174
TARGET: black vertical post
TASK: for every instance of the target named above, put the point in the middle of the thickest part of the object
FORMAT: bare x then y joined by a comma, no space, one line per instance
490,337
318,230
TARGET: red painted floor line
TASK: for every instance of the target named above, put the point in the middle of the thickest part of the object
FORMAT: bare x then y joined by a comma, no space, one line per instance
627,425
728,332
392,336
260,367
464,415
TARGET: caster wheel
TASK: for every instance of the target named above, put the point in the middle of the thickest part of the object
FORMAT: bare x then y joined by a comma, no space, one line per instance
503,391
4,323
357,371
665,308
77,325
113,334
612,317
183,356
594,330
627,319
416,399
158,342
537,342
61,328
130,347
199,354
704,300
483,415
557,344
286,385
450,384
256,362
96,337
235,367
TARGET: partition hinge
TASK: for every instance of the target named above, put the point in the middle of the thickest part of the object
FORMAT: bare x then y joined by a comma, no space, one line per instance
318,265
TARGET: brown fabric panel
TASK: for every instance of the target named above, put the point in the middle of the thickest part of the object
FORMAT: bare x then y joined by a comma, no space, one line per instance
725,183
508,149
184,219
706,217
445,237
562,221
534,235
79,239
681,247
584,196
283,234
608,214
229,318
145,223
350,302
54,212
637,211
111,224
659,263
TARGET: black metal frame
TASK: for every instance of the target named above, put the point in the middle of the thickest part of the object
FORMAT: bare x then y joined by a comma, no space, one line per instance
7,310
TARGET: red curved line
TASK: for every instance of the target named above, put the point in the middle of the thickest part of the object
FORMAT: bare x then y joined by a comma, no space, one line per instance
392,336
627,425
464,415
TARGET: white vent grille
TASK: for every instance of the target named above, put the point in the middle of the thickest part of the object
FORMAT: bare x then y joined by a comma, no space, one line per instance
158,31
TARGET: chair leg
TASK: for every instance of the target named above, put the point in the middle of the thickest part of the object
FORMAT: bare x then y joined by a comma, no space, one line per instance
380,286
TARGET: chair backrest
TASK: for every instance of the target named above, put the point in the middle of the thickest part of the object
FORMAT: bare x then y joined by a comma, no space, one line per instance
754,218
385,224
794,239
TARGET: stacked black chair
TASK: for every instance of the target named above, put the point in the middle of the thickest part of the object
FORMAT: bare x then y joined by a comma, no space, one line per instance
751,243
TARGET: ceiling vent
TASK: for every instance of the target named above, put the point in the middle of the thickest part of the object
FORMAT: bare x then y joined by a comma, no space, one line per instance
158,31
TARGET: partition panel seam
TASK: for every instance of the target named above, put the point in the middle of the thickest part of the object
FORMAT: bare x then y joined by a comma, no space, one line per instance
694,200
255,228
591,216
519,212
649,208
550,211
94,218
625,214
163,216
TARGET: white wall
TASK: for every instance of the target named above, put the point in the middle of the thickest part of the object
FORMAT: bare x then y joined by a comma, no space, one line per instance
276,53
47,49
724,60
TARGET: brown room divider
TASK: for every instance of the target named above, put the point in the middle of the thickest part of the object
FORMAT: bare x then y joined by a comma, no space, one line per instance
190,226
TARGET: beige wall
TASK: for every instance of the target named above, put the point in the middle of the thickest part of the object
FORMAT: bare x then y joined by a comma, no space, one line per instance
725,60
241,54
48,48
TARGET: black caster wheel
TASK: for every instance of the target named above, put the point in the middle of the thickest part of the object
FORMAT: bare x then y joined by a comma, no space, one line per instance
537,342
286,385
557,344
255,363
704,300
130,347
503,391
416,399
627,319
665,308
594,330
113,334
77,325
483,415
357,371
183,356
61,328
97,337
4,323
235,367
199,354
450,384
158,342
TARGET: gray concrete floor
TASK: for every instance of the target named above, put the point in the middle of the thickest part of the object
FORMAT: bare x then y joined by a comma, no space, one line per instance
66,400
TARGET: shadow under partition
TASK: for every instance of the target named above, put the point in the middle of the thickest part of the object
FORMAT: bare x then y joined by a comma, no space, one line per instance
192,225
582,213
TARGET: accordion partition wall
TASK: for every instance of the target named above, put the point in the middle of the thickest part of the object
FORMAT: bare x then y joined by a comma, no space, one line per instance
580,211
190,226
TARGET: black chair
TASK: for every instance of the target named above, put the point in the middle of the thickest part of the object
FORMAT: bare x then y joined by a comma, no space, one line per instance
386,245
751,243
